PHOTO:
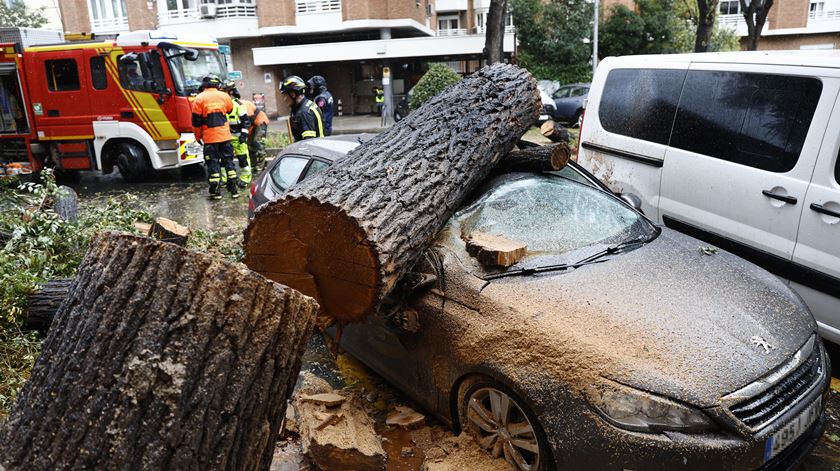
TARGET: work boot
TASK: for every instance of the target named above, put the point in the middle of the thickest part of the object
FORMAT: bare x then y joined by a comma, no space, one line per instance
215,193
232,188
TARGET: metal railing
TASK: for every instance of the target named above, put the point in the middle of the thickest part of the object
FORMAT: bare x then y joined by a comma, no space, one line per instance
109,24
733,20
824,15
231,10
452,32
482,29
317,6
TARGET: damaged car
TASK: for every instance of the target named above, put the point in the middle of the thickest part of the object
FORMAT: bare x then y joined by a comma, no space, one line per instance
610,344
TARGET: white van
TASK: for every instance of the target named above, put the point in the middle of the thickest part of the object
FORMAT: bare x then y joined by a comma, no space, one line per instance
738,149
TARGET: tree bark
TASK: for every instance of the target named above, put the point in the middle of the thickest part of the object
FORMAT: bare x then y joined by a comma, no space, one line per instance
755,14
346,235
160,358
44,303
707,10
494,35
535,159
554,132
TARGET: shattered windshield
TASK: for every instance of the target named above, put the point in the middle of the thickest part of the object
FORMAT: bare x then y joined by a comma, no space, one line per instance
551,215
187,74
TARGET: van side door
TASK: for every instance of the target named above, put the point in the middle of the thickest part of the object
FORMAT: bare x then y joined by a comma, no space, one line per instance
627,126
59,89
815,271
742,150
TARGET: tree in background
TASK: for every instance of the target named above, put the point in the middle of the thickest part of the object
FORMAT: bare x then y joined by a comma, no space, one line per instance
553,38
706,13
438,77
16,14
755,13
495,32
649,30
688,37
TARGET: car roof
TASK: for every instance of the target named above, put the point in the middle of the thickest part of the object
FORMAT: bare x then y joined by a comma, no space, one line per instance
797,58
328,148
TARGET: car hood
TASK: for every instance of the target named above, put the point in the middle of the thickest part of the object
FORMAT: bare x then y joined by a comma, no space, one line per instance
664,318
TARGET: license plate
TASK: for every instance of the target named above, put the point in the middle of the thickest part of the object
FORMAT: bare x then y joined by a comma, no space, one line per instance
792,430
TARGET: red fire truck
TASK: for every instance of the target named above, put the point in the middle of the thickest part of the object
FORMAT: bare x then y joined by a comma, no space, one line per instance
97,105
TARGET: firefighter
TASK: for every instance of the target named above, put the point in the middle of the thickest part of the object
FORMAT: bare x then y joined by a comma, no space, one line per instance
240,124
209,120
305,120
258,132
379,97
323,98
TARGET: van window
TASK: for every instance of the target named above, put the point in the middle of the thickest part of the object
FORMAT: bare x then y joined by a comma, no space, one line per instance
143,74
641,103
97,73
758,120
62,75
837,169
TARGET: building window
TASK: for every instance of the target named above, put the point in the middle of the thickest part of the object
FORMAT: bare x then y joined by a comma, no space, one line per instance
98,76
481,22
317,6
108,15
62,75
447,23
730,7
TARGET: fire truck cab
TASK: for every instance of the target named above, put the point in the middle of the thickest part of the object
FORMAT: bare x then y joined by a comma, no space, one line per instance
97,105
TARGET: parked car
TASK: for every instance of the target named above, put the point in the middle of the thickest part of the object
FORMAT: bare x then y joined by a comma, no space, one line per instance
737,149
548,110
568,103
613,344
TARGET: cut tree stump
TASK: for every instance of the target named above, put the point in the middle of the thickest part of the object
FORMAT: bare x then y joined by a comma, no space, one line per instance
168,230
160,358
495,251
44,303
535,159
348,234
554,132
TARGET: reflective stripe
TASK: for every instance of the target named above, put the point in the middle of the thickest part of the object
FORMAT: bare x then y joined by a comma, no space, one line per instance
317,112
308,134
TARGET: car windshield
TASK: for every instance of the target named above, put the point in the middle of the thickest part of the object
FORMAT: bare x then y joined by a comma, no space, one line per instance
552,215
187,74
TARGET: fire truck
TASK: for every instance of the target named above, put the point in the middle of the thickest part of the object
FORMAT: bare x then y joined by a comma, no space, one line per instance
97,105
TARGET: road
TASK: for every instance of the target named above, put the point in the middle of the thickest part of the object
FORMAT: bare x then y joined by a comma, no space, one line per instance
184,199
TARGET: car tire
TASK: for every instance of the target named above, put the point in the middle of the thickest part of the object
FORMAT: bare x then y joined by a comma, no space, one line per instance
476,404
576,122
132,162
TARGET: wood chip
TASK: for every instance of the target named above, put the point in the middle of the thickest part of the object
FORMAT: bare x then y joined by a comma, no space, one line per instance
326,399
331,419
496,251
406,418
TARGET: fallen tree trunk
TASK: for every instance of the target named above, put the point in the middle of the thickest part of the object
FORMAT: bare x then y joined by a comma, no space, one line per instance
160,358
348,234
535,159
554,132
168,230
44,303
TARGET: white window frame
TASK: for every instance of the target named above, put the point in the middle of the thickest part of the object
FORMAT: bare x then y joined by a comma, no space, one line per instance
304,7
107,15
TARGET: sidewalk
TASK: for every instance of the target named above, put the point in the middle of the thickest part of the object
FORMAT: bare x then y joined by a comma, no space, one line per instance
350,124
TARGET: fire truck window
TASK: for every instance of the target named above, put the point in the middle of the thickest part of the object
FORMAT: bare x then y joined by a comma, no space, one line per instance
12,115
97,73
62,75
140,75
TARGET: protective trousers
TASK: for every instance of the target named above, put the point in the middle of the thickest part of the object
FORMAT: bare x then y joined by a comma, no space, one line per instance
219,155
240,151
256,143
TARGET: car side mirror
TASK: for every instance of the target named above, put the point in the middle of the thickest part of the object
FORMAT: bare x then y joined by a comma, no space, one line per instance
633,201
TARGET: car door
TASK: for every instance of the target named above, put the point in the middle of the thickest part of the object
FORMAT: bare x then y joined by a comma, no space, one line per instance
741,154
815,271
62,111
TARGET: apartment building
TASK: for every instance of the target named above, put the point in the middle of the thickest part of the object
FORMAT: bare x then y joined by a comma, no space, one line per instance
791,24
356,45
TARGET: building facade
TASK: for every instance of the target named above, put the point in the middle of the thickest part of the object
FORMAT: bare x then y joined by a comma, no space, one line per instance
357,45
791,24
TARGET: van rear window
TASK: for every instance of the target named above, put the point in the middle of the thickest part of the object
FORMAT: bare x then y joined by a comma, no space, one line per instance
641,103
759,120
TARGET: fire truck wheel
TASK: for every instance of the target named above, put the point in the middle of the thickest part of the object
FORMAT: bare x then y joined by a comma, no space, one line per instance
132,162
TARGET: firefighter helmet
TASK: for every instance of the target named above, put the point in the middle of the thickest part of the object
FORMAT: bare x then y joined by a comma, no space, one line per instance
316,83
211,81
230,87
293,83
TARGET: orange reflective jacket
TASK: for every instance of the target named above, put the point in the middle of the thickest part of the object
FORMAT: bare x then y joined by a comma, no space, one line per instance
209,116
257,117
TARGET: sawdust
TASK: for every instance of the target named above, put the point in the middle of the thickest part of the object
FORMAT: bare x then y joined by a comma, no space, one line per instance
461,453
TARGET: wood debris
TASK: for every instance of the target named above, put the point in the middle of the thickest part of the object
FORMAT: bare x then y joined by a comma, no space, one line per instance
495,251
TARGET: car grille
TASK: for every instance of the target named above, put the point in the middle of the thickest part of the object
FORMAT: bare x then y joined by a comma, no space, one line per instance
763,408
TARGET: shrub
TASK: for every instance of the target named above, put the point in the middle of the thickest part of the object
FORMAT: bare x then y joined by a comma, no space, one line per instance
435,80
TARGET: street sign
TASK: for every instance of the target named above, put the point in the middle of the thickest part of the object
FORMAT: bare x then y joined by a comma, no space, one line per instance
224,49
235,75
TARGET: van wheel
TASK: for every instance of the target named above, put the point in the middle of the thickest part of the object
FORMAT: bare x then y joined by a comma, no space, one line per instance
132,162
502,425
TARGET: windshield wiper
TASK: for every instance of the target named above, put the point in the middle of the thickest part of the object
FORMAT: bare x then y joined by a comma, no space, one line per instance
612,249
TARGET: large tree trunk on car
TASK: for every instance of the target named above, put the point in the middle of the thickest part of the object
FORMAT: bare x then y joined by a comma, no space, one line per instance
346,235
44,303
160,358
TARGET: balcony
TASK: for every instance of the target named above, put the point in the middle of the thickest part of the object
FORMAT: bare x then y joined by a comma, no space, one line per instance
738,24
825,15
230,20
453,32
825,21
109,25
313,14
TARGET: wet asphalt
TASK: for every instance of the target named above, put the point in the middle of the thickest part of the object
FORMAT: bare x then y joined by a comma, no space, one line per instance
182,196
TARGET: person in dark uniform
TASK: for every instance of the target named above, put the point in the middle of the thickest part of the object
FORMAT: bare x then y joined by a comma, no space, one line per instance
323,98
306,120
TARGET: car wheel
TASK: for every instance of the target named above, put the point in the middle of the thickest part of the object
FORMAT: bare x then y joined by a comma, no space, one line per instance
502,425
578,120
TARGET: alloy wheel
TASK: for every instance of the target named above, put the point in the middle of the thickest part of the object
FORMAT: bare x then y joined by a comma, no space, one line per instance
501,427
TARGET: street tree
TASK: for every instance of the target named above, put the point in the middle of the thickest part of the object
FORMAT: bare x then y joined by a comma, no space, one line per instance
495,32
434,81
554,38
687,12
706,11
16,14
755,13
649,30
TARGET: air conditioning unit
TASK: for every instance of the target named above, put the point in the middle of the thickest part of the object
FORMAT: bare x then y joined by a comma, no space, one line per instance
207,10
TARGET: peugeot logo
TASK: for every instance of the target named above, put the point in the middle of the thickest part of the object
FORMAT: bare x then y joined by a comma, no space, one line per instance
760,342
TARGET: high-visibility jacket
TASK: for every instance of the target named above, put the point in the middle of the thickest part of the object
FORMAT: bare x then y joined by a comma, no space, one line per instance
307,121
380,96
209,116
257,116
238,118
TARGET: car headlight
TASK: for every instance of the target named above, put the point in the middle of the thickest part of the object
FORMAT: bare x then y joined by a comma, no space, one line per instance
640,411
